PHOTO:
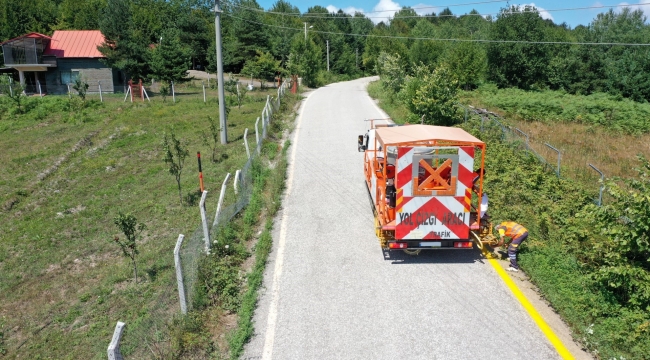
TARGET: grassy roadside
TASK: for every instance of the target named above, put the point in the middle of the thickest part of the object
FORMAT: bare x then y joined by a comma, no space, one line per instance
594,281
221,323
69,170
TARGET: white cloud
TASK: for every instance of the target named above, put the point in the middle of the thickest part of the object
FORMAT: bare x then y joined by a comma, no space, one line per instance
348,10
543,13
425,9
640,6
332,8
388,8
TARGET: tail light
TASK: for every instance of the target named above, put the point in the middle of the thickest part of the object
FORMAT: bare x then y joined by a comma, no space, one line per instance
397,245
463,244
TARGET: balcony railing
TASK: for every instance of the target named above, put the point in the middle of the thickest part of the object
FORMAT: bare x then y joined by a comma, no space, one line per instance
26,51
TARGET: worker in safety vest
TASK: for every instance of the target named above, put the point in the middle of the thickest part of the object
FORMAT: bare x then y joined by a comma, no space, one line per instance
518,234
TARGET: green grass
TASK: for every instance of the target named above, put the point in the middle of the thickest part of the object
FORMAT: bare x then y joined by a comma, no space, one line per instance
63,283
612,112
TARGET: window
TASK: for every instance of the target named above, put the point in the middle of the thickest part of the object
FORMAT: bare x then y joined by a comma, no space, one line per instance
68,77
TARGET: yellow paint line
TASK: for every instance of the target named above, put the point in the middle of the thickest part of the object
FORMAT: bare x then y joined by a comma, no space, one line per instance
550,335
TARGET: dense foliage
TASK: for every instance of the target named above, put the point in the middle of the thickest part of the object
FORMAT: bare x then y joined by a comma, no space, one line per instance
592,263
602,109
132,28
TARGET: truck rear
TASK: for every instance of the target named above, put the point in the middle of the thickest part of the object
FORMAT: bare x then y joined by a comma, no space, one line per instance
423,186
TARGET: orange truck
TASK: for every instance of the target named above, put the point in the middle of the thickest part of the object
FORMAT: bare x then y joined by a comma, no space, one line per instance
424,187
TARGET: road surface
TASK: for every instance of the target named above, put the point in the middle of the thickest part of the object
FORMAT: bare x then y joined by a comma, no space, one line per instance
330,294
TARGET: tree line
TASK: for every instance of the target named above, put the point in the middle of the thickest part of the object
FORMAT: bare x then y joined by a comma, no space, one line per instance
146,36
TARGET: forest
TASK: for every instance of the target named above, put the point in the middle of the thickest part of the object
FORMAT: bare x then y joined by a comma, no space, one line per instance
516,48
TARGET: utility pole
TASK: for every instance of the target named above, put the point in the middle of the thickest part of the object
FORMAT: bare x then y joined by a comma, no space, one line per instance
328,55
306,30
222,96
357,58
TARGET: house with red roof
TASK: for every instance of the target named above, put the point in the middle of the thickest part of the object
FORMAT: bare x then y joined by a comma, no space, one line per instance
50,64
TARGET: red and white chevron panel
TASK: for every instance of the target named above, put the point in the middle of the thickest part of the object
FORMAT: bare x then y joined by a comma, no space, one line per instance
435,216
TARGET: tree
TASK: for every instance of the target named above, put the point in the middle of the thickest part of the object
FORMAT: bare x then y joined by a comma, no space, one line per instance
81,87
306,59
175,154
467,62
212,138
517,64
263,67
392,71
436,97
129,226
170,60
125,47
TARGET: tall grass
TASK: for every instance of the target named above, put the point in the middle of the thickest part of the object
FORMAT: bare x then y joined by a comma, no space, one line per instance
612,112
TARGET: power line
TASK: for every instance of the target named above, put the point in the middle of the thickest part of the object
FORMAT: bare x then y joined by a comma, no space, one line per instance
451,40
535,10
376,11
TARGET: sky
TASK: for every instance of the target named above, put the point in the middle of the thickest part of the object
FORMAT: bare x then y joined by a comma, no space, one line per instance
380,10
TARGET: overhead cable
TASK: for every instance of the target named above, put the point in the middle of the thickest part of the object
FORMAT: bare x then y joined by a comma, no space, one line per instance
441,39
376,11
522,11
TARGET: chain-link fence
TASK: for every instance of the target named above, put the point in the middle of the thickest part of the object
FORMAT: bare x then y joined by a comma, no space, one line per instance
488,121
150,335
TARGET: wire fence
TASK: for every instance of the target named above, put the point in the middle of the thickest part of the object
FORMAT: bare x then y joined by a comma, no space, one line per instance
149,336
492,122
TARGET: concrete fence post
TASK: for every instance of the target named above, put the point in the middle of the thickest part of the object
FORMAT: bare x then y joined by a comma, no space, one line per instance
602,186
179,273
257,137
114,347
248,152
525,135
69,93
204,220
236,181
559,158
127,92
40,92
173,91
221,196
202,83
101,97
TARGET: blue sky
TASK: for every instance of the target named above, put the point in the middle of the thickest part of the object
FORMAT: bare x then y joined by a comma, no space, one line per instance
573,18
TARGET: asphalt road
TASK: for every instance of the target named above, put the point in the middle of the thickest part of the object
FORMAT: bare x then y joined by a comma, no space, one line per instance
330,294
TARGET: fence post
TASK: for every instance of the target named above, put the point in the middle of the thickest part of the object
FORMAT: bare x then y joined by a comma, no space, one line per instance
173,92
40,92
524,134
257,137
101,98
236,181
11,90
114,347
602,186
204,220
179,273
248,152
69,94
221,196
559,158
202,83
128,91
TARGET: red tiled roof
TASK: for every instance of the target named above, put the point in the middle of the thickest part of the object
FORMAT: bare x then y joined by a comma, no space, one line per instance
75,44
30,35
